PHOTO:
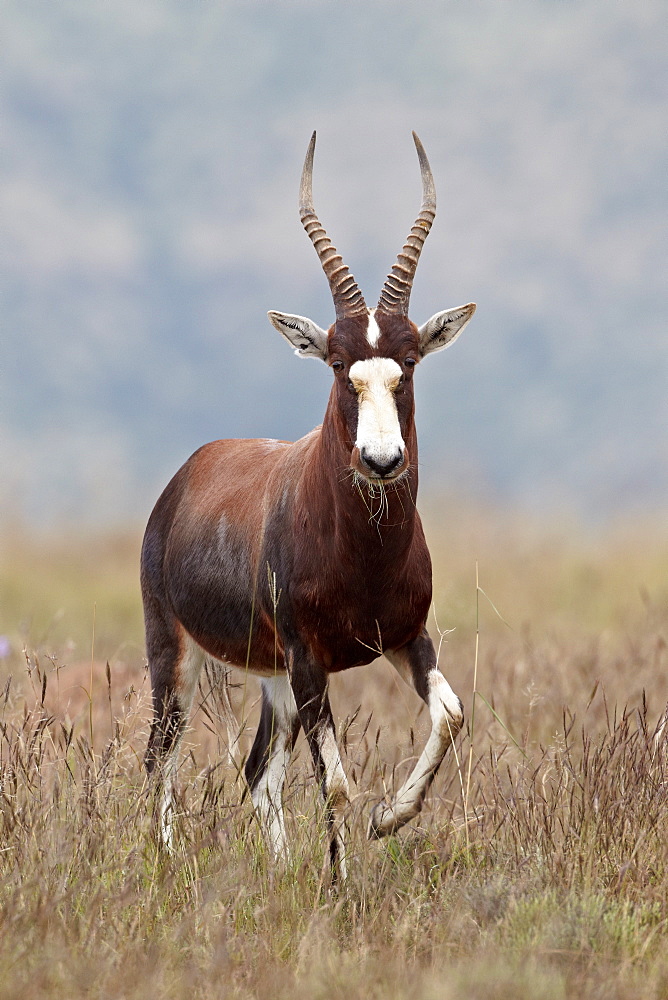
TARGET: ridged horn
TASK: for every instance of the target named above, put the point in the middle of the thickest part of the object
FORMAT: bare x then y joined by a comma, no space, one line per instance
396,291
348,299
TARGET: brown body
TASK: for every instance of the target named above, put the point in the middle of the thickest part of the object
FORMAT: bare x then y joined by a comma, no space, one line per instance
295,561
242,504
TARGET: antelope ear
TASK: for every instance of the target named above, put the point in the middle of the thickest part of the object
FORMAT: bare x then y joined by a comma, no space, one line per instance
443,329
308,339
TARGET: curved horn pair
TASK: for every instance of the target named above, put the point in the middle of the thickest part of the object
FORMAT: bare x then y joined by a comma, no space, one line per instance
395,296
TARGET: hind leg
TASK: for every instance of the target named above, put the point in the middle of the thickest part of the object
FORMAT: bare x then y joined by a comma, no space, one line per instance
269,758
175,663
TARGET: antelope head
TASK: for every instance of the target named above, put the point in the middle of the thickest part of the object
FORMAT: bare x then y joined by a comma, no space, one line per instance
372,352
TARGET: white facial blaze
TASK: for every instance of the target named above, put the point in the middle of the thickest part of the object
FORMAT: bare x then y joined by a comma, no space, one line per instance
372,330
378,431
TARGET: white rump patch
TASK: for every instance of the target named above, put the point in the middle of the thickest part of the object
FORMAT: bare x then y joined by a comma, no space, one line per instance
378,431
373,330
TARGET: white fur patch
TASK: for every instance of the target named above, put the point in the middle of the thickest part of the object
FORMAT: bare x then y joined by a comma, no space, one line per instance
378,431
373,330
267,795
446,721
188,670
336,785
335,776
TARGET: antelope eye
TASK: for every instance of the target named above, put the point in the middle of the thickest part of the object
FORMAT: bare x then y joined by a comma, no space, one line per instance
409,362
337,366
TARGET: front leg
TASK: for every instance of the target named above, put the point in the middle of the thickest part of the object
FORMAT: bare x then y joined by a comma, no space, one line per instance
310,688
269,758
416,662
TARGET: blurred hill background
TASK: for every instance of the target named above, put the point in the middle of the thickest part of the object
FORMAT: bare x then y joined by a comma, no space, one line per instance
148,220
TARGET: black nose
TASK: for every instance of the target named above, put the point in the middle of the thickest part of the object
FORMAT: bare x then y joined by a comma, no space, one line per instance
385,468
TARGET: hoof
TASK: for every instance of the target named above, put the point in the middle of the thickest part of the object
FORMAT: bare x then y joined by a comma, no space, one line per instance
382,821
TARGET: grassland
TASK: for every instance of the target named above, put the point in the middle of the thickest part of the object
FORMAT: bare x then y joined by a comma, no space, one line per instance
542,875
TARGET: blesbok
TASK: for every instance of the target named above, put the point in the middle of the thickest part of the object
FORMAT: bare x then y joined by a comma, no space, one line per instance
296,560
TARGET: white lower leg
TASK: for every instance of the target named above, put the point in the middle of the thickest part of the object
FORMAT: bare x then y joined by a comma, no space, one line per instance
167,802
337,793
446,720
267,795
187,672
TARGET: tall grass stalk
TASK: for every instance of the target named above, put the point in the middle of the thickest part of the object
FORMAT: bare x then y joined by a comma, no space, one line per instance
473,700
90,682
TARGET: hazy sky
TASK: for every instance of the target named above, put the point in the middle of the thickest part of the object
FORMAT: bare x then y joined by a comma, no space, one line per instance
150,163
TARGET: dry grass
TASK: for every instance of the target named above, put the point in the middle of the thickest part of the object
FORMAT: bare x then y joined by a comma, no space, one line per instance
549,879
